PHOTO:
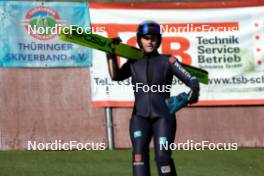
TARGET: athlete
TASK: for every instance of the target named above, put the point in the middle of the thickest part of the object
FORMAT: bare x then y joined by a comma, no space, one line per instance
151,117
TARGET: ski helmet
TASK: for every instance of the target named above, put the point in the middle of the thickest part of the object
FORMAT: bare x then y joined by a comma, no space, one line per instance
148,28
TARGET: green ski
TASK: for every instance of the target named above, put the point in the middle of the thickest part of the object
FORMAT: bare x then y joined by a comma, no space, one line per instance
106,44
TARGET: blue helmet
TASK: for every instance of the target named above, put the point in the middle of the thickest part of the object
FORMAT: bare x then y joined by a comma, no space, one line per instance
148,28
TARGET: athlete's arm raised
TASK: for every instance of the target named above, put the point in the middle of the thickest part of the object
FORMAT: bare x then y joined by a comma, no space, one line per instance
116,73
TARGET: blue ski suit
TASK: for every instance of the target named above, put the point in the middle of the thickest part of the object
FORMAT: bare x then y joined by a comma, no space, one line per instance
151,117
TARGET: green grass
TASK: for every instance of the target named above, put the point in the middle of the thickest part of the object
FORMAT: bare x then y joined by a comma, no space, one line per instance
244,162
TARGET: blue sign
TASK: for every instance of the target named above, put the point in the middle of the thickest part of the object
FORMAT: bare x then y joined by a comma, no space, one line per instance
29,34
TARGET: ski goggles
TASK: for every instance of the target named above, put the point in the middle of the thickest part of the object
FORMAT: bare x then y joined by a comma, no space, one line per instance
149,29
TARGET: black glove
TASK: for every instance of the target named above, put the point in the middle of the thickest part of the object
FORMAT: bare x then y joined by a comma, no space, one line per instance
195,90
175,103
110,56
115,40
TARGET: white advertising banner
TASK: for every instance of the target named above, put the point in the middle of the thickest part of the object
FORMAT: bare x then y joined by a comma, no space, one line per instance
226,40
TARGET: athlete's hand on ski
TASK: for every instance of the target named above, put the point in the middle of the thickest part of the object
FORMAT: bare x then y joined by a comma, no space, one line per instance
193,95
115,40
175,103
116,73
